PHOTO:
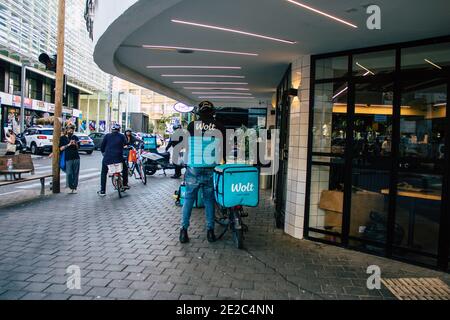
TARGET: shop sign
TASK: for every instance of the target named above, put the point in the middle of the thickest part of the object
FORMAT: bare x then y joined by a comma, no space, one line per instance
39,105
77,113
67,111
28,103
6,98
182,108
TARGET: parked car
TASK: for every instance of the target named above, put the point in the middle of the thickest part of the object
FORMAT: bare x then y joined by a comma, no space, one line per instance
38,139
86,143
97,138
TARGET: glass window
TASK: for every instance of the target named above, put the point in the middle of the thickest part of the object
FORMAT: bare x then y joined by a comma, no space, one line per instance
327,196
374,63
331,68
330,112
431,58
14,82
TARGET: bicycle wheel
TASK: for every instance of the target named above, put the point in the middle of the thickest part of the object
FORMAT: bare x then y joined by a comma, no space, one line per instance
236,228
119,185
142,174
132,170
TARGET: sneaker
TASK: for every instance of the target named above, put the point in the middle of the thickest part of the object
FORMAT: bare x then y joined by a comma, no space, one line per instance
75,191
126,188
101,193
211,236
184,238
70,191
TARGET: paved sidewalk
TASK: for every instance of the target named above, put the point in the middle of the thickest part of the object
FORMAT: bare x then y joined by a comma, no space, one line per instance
128,249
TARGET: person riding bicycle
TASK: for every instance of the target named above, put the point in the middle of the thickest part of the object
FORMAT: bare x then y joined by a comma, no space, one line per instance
173,144
112,150
202,159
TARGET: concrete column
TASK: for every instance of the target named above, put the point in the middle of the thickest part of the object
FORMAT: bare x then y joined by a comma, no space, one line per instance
298,149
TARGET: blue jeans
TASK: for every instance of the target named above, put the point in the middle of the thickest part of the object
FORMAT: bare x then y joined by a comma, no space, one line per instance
197,178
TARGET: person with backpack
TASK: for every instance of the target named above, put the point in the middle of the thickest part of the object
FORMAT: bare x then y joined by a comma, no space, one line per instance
200,167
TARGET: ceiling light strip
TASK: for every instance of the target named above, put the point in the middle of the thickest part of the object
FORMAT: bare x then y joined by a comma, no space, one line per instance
224,97
200,76
433,64
210,82
365,69
233,31
218,89
322,13
198,49
225,93
193,67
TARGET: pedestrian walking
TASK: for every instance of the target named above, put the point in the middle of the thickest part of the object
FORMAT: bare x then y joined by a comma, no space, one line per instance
70,144
175,158
11,147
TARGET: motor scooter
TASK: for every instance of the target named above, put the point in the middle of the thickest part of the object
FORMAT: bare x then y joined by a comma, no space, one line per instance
154,161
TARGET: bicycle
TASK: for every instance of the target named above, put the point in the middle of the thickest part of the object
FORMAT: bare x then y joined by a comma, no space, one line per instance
236,186
115,172
137,168
231,220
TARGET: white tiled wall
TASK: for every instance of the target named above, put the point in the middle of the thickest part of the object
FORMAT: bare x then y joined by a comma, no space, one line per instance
298,148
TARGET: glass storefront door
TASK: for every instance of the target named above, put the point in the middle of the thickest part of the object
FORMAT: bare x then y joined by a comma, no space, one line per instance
379,164
371,164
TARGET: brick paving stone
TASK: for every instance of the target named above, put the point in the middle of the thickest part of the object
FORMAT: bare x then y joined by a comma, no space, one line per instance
119,284
12,295
161,286
34,296
141,285
37,286
230,293
99,292
167,296
121,293
57,296
143,295
98,282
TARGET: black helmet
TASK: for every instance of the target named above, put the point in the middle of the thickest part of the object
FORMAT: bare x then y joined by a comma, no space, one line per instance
205,108
116,127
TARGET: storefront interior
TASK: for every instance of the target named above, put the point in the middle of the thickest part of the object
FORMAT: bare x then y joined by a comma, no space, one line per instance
378,166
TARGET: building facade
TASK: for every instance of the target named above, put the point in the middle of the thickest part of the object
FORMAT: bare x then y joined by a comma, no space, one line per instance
27,29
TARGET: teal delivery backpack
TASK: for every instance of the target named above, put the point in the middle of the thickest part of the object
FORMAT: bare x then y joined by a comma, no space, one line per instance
236,185
180,195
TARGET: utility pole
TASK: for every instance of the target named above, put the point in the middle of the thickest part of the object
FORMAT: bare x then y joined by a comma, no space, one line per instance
59,95
22,97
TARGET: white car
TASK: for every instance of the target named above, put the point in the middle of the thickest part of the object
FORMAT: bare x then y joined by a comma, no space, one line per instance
39,139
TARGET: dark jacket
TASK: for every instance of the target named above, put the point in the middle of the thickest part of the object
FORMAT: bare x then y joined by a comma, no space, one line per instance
112,148
203,125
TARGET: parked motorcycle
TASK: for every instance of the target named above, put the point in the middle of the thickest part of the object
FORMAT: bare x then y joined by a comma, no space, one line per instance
155,161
